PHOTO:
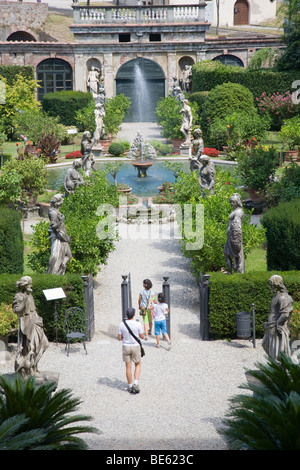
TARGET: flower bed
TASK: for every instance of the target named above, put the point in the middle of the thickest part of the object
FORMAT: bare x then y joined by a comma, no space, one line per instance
211,152
75,154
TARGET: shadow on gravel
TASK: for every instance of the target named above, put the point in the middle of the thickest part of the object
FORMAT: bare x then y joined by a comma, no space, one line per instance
191,330
113,383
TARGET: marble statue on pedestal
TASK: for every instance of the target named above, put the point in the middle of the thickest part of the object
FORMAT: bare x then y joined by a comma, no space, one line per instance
187,120
233,249
60,241
93,81
32,341
186,78
276,337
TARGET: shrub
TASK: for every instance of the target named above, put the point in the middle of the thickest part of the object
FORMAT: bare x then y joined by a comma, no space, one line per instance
208,74
81,218
278,106
216,212
257,166
11,242
290,132
211,152
10,187
229,295
269,417
116,148
33,417
65,104
169,118
287,188
282,225
161,148
75,154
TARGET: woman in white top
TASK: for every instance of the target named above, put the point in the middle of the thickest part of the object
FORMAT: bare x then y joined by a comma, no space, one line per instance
145,300
160,310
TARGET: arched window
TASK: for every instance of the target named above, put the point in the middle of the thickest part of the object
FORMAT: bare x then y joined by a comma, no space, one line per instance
21,36
229,60
54,75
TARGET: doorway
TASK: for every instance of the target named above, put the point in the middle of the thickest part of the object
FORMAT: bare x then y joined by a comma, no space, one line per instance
143,81
241,13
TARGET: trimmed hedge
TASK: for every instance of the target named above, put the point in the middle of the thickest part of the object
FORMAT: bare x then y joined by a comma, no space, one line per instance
11,71
72,285
207,75
65,104
11,242
236,293
282,225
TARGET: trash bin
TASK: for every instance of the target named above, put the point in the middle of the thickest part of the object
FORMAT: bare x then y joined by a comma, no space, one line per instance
243,325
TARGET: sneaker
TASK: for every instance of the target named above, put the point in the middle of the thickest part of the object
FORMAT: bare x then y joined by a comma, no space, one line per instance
135,388
169,345
129,388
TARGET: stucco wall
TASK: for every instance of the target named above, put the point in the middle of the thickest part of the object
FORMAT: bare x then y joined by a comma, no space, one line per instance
21,17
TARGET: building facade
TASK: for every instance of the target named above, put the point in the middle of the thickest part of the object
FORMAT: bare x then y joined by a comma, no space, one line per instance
157,41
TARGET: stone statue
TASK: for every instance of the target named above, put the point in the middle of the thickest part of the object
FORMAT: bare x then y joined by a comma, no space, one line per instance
233,249
93,81
178,94
195,150
186,78
206,174
276,337
32,341
87,159
60,248
99,113
174,87
187,119
73,178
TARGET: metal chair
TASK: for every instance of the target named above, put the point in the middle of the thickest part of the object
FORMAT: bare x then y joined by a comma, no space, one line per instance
75,324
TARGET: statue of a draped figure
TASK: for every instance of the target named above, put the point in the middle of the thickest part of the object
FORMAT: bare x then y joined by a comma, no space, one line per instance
206,174
195,150
87,159
32,341
276,337
233,249
60,248
73,178
93,81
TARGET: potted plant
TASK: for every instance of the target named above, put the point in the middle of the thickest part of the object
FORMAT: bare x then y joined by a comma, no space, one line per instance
124,188
8,322
290,135
256,168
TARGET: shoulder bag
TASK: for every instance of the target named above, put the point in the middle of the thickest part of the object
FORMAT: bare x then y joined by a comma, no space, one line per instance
137,339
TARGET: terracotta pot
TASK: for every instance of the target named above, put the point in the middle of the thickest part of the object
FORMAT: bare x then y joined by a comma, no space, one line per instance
176,144
291,155
105,144
254,195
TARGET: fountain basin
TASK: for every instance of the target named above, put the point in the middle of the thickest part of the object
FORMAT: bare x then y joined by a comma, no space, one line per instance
142,167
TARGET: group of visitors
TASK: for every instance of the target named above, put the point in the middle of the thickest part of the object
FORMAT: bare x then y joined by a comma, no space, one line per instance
153,310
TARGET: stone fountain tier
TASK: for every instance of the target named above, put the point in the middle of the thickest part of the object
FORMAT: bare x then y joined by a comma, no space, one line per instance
142,167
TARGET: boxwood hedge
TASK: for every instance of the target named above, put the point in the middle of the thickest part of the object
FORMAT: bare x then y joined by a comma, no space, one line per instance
230,294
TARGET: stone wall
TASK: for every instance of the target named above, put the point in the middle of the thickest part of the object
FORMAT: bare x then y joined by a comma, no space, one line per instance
17,16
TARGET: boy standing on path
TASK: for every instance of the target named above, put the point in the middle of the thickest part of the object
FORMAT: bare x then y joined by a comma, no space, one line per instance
131,349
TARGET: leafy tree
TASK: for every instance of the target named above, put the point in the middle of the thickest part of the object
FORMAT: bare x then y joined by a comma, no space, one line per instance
90,245
10,187
268,419
19,98
290,59
216,212
33,417
169,117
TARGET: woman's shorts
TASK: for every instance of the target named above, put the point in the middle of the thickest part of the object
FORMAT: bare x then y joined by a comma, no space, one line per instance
148,317
160,326
131,353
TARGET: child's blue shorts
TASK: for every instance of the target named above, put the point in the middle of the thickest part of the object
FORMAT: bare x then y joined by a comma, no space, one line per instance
160,326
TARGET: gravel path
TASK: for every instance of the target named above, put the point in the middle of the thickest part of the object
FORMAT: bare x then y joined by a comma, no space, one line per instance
184,391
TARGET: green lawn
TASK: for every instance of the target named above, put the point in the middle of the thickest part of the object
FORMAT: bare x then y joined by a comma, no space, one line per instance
256,260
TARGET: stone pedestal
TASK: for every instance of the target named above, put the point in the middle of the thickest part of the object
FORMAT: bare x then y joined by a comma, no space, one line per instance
184,149
41,377
98,151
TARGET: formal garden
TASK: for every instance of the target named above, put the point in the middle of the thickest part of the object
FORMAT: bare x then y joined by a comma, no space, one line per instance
250,120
